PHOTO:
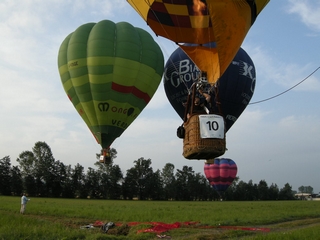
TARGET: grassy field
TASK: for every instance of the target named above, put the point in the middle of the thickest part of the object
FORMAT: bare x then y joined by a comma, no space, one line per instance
48,218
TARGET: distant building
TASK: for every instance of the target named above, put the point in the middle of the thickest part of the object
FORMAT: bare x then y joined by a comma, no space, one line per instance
303,196
307,196
315,197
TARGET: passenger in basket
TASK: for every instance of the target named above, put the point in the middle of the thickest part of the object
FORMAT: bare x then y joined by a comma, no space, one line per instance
201,107
198,106
207,102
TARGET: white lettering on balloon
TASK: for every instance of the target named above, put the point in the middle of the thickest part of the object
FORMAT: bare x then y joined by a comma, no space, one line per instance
185,72
248,70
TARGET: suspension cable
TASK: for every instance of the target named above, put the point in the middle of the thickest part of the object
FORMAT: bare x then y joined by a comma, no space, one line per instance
277,95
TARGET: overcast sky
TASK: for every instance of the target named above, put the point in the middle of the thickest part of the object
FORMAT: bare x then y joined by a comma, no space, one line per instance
275,140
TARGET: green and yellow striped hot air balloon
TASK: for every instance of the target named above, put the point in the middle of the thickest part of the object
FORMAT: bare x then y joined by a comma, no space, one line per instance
110,71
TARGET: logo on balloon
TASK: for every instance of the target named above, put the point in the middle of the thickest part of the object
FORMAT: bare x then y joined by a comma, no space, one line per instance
247,70
73,64
104,107
186,71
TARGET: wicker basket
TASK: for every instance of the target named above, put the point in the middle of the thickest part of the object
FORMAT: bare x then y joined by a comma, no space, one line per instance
195,147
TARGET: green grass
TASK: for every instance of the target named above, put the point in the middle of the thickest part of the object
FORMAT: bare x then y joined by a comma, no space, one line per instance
48,218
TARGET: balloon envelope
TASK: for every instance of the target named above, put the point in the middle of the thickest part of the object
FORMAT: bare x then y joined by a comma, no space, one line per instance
109,71
202,21
235,87
221,173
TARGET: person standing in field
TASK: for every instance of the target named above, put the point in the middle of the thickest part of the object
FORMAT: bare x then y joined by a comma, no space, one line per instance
24,201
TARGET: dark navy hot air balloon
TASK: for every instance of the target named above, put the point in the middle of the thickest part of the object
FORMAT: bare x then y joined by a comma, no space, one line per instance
235,87
220,173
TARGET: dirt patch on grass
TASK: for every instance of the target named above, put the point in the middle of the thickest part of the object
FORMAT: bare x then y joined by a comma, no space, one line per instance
294,224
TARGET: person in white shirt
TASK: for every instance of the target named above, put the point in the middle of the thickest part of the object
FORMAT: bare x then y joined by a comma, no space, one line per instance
24,201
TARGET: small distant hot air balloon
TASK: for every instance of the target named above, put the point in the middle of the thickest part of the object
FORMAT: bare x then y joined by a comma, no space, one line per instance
110,71
199,22
220,173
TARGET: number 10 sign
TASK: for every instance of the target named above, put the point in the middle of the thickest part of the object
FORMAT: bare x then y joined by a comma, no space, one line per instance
211,126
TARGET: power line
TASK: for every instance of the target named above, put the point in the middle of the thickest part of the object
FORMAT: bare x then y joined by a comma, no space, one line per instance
267,99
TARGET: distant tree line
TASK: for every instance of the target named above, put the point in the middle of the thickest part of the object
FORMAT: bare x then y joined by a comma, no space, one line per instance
39,174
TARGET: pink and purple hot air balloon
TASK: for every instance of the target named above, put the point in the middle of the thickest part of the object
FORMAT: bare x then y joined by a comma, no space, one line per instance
220,173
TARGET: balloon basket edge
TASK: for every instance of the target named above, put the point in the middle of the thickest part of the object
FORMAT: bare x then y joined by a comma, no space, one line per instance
195,147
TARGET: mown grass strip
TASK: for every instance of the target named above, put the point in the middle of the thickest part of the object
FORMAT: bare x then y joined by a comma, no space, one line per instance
47,218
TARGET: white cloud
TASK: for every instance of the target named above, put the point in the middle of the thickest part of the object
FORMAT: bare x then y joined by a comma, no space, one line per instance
308,11
285,74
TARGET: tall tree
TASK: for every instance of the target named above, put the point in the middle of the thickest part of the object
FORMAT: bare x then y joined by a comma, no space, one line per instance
5,178
27,166
144,173
37,169
16,181
26,162
68,189
273,192
58,178
44,168
168,180
111,177
184,179
306,189
91,185
110,182
154,187
198,187
130,186
240,192
230,193
286,192
137,177
78,180
115,180
263,190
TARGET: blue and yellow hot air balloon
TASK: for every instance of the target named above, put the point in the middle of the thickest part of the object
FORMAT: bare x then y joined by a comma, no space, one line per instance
110,71
201,22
